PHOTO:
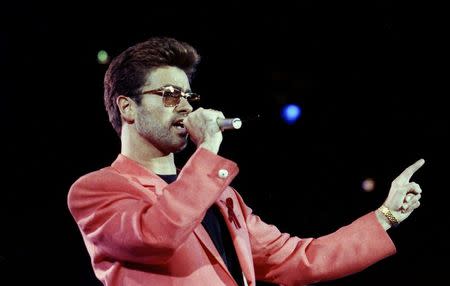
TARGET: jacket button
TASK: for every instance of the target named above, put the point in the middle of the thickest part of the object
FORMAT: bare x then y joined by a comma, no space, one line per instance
223,173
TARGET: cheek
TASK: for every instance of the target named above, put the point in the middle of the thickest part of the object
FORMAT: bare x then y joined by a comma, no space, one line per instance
153,117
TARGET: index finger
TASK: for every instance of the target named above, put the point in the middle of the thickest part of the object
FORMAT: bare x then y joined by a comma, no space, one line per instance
406,175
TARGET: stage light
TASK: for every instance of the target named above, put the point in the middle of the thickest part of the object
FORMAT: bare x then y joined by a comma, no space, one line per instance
291,113
368,185
102,57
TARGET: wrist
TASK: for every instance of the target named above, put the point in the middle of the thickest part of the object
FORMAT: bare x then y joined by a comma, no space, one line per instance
210,147
384,222
386,218
212,144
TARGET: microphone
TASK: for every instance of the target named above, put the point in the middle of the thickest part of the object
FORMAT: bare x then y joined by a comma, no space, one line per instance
229,123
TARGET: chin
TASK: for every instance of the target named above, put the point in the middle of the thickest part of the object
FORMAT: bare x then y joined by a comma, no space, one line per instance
180,147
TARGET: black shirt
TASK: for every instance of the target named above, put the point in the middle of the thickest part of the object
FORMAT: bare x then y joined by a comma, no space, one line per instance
216,227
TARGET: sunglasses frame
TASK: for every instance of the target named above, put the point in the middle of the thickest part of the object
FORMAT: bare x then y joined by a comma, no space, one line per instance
174,98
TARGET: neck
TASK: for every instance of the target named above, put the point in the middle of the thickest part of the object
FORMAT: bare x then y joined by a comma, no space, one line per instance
140,150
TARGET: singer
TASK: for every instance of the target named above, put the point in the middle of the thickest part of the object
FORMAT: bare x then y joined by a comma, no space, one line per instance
146,222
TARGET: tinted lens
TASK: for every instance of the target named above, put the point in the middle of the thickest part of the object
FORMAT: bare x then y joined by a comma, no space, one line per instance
171,98
192,97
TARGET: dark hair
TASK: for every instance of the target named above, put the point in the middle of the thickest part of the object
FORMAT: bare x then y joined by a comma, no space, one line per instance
128,71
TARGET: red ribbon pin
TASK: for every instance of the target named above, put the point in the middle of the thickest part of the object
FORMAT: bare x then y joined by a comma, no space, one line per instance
231,215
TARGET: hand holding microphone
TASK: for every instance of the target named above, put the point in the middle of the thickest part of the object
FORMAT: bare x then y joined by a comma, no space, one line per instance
205,127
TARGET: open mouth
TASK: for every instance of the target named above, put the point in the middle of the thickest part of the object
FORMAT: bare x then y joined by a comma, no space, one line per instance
179,125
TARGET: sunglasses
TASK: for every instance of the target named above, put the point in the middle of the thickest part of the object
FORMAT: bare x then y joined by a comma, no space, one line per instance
171,95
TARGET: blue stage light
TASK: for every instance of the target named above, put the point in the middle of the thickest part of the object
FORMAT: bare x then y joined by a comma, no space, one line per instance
291,113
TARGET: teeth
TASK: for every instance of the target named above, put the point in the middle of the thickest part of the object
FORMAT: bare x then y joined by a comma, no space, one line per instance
179,125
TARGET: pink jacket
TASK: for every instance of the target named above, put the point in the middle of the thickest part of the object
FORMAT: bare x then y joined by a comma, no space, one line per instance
139,230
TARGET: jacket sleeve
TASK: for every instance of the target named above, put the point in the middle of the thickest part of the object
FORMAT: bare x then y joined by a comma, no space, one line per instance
289,260
121,220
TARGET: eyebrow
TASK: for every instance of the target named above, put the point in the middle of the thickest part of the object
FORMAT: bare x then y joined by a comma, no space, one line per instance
177,87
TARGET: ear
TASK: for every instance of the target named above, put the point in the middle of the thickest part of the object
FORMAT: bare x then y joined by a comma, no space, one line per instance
127,108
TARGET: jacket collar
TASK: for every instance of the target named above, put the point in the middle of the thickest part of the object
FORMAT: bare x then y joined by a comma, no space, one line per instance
131,168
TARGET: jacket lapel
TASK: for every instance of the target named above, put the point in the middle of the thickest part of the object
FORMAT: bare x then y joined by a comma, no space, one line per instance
239,235
205,239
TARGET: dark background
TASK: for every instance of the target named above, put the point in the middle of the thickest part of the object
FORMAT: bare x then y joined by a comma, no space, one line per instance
368,76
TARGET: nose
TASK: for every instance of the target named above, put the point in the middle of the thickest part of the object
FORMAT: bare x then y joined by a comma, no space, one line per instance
184,106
